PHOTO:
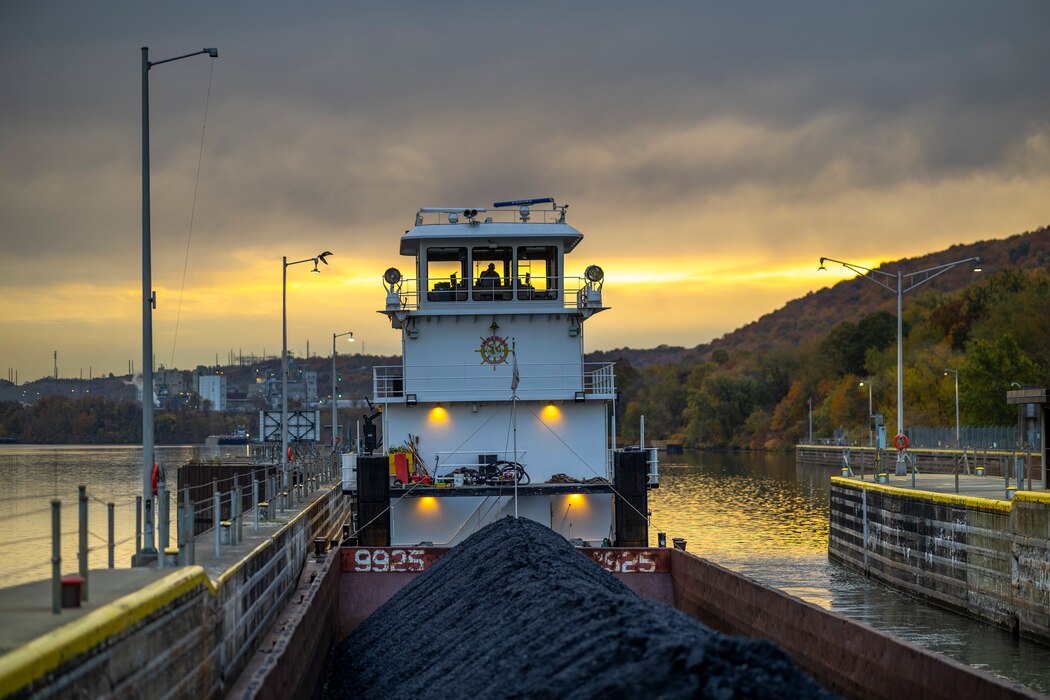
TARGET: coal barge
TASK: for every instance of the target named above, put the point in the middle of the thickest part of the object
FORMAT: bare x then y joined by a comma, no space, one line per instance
493,413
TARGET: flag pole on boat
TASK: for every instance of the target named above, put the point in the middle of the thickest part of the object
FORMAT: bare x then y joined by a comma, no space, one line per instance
515,377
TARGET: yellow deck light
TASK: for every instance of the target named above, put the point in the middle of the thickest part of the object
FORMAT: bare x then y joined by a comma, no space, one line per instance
438,415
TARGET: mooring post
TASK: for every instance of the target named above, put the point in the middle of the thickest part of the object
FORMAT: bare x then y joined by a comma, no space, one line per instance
191,532
138,528
163,537
1028,464
240,514
112,540
216,516
180,531
56,557
83,545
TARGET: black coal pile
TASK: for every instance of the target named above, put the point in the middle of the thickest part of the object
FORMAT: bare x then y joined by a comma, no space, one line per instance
516,612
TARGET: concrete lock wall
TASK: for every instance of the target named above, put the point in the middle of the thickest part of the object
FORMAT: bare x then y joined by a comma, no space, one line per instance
181,636
986,558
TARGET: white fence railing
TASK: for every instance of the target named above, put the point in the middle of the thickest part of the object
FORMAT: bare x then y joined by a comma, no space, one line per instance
560,292
481,382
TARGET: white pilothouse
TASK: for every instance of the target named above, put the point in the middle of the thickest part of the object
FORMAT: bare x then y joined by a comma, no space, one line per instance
493,397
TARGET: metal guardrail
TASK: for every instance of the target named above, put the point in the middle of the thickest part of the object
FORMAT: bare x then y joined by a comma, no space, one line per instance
560,292
991,437
473,382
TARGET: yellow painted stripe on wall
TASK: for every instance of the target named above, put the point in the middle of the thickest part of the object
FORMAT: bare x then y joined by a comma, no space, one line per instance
42,655
1033,496
952,499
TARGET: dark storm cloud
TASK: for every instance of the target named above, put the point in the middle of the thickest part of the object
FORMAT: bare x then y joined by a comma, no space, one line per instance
325,116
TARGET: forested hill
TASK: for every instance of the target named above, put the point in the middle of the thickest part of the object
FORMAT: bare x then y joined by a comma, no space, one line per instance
752,388
815,314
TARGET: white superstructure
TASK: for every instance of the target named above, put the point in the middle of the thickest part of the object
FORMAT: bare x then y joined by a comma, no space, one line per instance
492,370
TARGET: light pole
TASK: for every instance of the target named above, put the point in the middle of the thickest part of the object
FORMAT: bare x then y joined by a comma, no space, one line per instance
809,403
284,363
335,418
912,280
871,438
955,372
149,302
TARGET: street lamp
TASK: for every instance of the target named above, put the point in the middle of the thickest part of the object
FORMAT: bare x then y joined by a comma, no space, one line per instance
871,439
955,372
149,302
335,418
912,280
284,361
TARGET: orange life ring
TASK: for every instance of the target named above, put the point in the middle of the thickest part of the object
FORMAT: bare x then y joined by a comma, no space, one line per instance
900,441
290,458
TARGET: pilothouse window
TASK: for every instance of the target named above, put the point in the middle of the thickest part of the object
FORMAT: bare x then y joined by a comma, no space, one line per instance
493,273
537,272
447,274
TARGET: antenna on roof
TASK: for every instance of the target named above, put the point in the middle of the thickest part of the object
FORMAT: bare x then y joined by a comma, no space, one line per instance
524,202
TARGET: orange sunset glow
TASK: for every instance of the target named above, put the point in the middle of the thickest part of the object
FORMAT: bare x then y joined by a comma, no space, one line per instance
708,159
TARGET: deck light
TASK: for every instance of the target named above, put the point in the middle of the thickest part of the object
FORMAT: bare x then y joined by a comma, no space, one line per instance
579,397
594,273
410,399
977,265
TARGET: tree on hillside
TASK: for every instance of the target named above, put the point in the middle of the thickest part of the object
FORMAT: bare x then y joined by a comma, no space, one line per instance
987,373
847,345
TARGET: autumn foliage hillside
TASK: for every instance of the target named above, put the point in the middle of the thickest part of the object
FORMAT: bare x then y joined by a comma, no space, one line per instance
750,388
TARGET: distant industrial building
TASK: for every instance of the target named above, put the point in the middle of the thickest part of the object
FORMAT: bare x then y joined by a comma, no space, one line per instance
213,389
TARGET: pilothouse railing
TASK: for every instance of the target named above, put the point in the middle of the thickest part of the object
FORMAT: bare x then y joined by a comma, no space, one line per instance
481,382
561,292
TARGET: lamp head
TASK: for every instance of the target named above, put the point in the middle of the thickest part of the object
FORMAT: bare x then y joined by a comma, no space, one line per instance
821,267
351,338
214,53
315,267
977,265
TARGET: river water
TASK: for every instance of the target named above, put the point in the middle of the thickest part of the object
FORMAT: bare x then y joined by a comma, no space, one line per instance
755,513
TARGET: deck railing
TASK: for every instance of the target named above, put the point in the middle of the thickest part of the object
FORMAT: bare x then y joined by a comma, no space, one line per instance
559,292
476,382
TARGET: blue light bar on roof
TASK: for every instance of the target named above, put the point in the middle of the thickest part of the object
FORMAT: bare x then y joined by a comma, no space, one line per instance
524,202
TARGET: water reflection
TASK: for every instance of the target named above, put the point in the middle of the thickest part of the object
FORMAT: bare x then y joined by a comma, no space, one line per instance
32,475
762,516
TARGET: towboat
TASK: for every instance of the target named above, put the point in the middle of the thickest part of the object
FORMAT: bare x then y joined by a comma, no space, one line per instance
493,410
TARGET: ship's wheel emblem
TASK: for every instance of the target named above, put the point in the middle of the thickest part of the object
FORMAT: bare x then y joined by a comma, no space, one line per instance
494,351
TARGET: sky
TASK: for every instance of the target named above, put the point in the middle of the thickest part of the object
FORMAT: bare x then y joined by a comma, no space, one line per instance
709,152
